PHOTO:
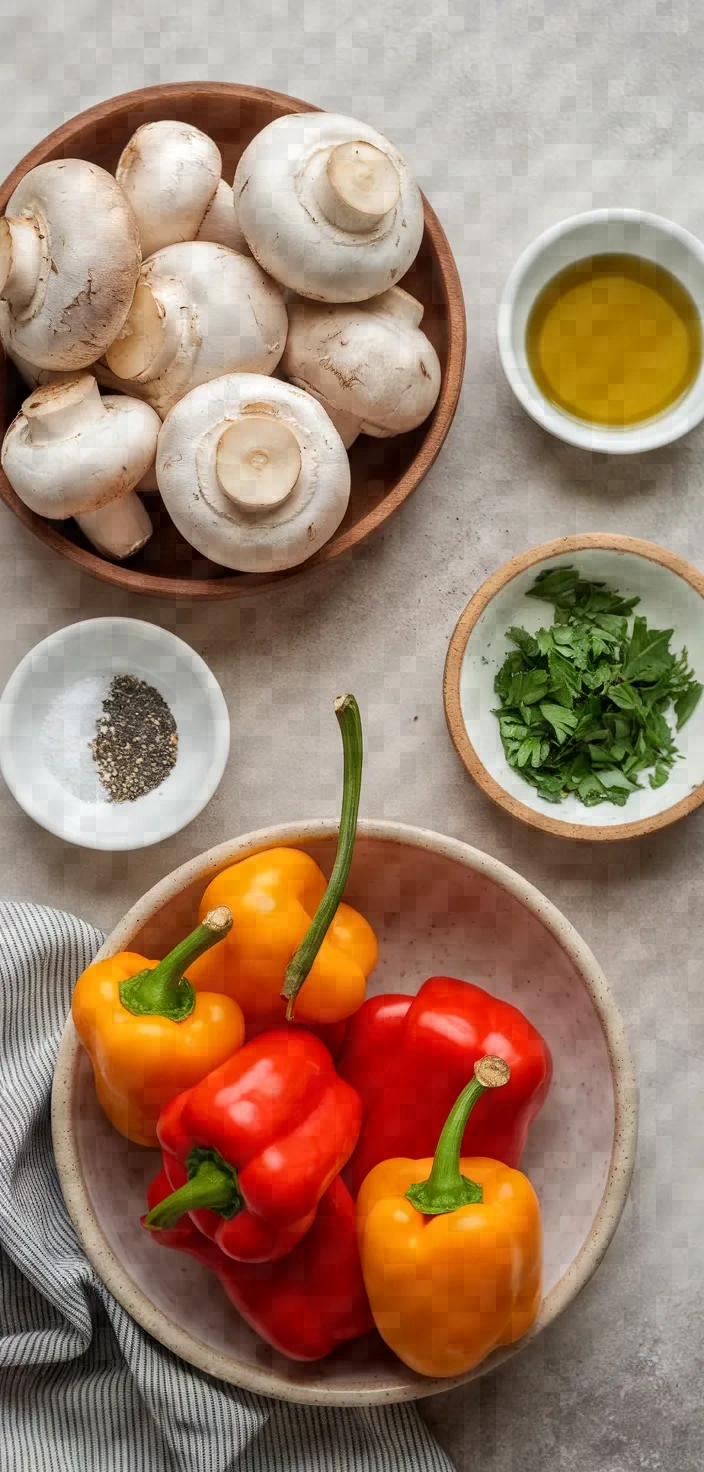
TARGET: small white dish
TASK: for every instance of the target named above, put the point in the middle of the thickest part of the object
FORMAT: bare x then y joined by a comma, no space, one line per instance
599,232
105,647
671,593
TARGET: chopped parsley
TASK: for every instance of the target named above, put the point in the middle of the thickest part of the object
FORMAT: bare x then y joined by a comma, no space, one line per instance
584,703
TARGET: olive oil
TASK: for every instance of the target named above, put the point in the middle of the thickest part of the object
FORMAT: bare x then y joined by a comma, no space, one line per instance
614,339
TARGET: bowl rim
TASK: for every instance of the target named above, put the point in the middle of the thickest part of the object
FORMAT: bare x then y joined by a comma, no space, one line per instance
623,1152
648,435
437,426
559,547
159,637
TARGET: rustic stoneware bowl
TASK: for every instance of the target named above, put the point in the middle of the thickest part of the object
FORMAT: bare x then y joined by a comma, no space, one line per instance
384,472
671,593
438,906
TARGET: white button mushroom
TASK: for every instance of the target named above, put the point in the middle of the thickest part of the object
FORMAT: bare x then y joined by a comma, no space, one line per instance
171,174
70,452
200,310
328,206
253,472
35,377
368,363
69,262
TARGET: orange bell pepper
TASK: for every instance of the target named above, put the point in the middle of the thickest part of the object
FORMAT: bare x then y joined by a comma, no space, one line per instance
293,943
451,1249
148,1033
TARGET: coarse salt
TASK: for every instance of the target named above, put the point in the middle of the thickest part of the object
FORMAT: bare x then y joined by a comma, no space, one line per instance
67,731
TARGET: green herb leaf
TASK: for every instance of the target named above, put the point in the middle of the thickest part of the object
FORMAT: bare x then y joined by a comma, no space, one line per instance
648,655
609,628
528,687
525,641
687,703
626,698
591,790
554,583
565,679
545,639
563,721
659,777
614,779
530,750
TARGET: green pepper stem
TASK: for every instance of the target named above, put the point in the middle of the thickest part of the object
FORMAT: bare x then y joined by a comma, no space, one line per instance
446,1188
212,1185
165,991
350,723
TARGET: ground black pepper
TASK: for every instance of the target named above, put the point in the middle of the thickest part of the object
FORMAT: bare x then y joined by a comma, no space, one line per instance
136,744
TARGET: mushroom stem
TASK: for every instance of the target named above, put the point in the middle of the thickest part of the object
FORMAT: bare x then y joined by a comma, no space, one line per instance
22,249
60,411
358,186
119,529
258,462
399,303
150,337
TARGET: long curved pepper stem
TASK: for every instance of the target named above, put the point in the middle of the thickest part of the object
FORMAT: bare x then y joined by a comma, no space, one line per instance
350,723
165,991
211,1184
446,1189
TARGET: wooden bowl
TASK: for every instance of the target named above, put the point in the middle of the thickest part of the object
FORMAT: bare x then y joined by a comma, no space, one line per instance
671,593
384,472
438,906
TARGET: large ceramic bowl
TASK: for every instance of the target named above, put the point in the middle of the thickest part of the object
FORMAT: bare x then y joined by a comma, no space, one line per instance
384,472
438,906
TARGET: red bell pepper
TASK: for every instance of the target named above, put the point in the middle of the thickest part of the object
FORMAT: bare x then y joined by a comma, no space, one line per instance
408,1058
250,1151
306,1303
332,1034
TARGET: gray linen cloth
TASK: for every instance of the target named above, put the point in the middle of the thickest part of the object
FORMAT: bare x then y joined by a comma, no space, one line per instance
82,1388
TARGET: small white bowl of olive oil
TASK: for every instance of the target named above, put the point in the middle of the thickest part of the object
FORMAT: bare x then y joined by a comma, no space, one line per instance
601,331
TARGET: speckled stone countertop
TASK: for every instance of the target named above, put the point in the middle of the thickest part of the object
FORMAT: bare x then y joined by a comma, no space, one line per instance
514,116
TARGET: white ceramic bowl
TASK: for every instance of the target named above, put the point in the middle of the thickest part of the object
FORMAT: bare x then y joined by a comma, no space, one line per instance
671,593
438,906
105,647
599,232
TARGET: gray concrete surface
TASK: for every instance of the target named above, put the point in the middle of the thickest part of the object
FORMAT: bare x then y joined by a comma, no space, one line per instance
514,115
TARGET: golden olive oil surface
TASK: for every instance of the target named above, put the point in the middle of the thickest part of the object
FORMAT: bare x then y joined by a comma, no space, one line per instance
614,339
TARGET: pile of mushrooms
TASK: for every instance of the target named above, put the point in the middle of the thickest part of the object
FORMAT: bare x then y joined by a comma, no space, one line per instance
172,292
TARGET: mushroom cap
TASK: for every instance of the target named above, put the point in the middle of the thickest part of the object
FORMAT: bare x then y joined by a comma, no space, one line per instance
91,247
95,464
279,211
280,536
224,314
31,377
364,360
220,223
170,172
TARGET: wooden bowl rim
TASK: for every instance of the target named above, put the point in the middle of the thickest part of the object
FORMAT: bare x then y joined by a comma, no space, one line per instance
623,1151
158,586
561,546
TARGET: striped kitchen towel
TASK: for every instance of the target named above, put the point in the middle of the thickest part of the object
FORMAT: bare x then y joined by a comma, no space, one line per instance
82,1388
